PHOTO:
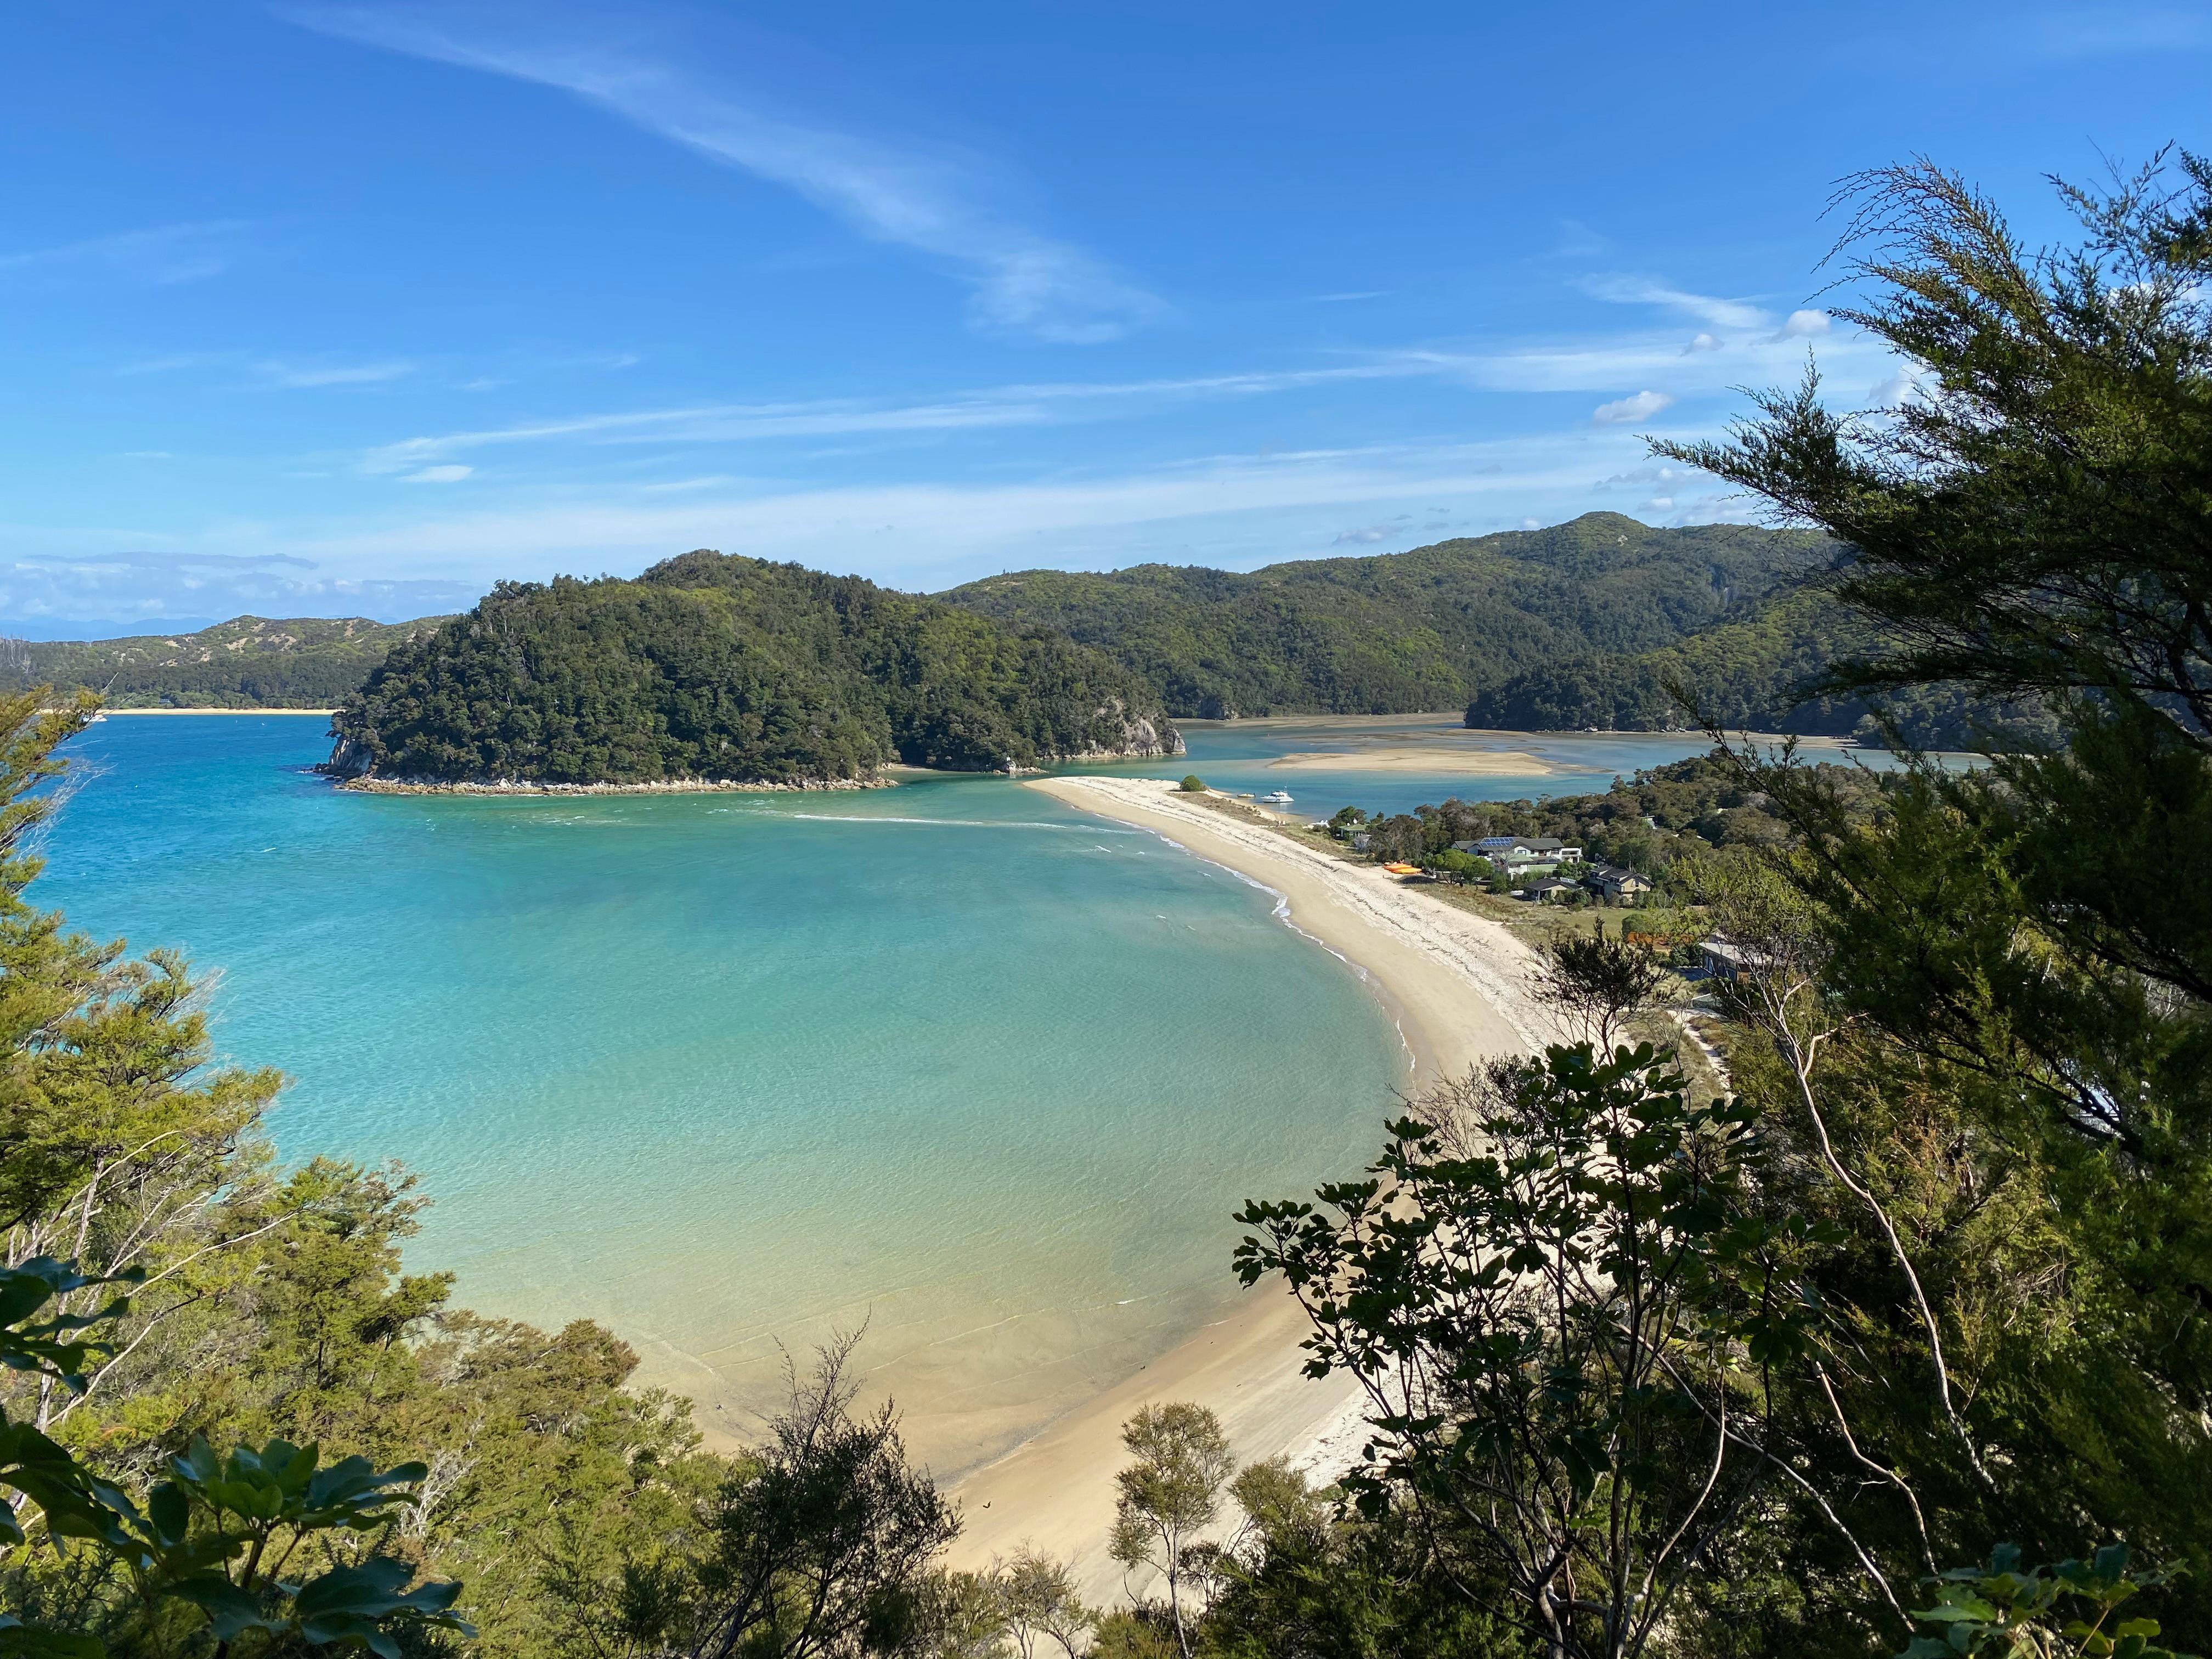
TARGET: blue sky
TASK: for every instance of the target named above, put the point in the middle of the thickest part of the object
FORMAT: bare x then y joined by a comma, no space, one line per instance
337,309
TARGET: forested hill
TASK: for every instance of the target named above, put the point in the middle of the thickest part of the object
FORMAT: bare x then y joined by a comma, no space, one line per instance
1403,632
1744,672
714,666
249,662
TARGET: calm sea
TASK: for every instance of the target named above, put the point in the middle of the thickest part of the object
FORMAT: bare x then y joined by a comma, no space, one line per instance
731,1072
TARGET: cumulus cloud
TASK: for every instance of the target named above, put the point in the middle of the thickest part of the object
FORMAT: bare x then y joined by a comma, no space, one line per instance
1366,535
1802,326
1646,475
1704,342
1898,388
1642,407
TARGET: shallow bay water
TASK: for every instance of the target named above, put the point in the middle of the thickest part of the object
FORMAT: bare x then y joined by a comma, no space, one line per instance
947,1062
728,1071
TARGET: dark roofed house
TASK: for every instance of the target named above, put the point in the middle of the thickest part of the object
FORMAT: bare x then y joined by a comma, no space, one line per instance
1617,882
1550,891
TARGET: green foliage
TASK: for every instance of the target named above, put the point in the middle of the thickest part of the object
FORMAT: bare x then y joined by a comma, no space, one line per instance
1169,1496
248,662
2032,524
2006,1612
218,1534
1457,866
268,1311
707,667
1659,821
823,1540
1557,1332
1980,1016
1038,1600
1193,784
1750,672
1596,985
1408,631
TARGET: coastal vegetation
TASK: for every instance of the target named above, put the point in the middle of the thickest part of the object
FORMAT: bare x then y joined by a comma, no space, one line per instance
1426,629
1928,1292
248,662
1663,822
714,667
1901,1344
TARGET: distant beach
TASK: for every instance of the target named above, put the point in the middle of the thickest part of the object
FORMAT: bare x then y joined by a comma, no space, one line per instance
1429,759
1454,983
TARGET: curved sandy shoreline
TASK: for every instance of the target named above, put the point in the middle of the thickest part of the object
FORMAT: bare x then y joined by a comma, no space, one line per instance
1454,983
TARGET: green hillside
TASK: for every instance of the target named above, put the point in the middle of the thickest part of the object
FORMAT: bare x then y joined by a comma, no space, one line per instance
1744,672
249,662
1404,632
710,666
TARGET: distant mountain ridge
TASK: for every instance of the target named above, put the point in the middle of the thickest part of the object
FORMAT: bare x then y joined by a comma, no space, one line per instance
1403,633
715,668
1585,624
249,662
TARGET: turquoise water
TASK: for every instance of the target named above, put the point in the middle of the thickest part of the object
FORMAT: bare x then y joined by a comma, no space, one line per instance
732,1071
1243,757
725,1071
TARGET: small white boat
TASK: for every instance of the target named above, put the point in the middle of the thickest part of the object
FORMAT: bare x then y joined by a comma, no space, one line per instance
1280,797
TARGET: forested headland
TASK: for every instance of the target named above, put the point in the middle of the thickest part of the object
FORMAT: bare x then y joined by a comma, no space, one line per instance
720,667
1435,628
1898,1344
1601,622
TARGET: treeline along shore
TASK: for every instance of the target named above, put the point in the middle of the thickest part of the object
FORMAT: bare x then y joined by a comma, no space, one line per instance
1875,1326
1602,623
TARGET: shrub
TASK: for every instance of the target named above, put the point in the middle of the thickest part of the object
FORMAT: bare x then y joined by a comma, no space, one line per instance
1193,785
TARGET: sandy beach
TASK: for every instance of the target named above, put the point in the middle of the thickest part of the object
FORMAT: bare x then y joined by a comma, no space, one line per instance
1456,984
1436,758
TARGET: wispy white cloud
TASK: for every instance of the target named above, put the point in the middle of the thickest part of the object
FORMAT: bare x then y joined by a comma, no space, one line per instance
153,590
449,474
1000,406
1023,282
1640,407
1340,299
1222,510
308,375
164,254
1714,313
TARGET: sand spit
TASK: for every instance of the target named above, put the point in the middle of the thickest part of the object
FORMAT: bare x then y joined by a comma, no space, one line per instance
1456,984
1435,758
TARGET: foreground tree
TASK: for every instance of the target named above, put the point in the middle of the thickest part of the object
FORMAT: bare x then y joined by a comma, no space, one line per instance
1168,1497
1996,1038
1563,1336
